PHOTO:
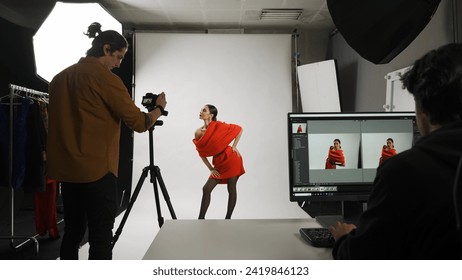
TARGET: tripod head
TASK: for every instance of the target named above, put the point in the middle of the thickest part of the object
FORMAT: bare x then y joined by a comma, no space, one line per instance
157,123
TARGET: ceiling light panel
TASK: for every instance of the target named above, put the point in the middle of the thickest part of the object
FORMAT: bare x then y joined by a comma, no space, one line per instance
280,14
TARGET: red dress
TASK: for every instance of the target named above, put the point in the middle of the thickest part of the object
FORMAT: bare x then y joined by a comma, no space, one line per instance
386,153
215,142
334,158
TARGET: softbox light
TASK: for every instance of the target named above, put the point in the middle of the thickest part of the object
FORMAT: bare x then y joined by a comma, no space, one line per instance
378,30
60,40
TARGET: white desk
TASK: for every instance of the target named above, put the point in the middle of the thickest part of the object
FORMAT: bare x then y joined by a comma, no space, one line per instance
234,240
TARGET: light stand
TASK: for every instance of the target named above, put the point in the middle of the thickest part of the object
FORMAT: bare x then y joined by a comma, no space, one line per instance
156,177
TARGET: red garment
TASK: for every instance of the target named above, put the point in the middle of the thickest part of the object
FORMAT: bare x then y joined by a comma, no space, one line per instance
386,153
334,158
215,142
45,210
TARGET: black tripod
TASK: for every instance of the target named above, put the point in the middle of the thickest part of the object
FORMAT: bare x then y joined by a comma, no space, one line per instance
155,177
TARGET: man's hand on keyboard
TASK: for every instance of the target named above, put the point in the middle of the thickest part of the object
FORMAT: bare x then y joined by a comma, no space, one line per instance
340,229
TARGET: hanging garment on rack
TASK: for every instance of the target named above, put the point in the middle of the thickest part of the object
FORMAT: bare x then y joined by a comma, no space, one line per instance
4,153
20,137
35,174
45,210
45,202
19,151
44,113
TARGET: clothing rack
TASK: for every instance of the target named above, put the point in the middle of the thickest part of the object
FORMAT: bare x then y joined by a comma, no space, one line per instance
22,92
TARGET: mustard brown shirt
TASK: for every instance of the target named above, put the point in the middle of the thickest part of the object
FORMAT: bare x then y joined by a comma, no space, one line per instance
86,104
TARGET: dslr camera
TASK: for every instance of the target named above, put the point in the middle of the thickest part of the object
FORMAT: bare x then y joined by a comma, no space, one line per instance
149,101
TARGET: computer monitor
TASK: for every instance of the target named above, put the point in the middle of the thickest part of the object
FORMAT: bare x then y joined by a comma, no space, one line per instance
319,174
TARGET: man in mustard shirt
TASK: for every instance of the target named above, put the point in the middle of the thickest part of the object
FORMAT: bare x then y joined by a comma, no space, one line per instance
87,102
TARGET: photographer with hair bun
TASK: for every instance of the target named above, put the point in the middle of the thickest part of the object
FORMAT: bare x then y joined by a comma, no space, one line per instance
87,102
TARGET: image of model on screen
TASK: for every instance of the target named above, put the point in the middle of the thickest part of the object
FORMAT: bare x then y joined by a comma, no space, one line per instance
388,150
335,156
213,139
411,212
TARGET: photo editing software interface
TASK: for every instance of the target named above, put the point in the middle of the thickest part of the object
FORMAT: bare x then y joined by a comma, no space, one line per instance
334,156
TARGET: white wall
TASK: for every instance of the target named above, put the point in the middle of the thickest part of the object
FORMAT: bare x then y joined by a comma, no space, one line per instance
248,78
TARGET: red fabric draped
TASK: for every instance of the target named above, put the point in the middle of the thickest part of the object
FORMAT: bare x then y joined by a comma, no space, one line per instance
215,142
45,210
334,158
386,154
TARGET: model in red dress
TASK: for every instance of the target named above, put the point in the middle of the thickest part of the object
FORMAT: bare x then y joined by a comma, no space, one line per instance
212,140
387,150
335,156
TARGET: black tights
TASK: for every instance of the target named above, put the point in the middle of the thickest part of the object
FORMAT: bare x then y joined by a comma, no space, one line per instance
207,192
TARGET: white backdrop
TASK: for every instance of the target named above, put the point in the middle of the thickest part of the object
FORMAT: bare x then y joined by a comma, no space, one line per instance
248,78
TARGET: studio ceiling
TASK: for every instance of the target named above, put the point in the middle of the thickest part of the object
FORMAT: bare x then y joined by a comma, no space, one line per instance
186,15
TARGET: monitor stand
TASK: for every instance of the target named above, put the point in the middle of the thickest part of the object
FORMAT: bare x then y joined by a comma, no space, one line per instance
328,220
351,210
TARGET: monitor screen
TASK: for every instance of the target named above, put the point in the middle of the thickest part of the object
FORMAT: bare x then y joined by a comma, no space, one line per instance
334,156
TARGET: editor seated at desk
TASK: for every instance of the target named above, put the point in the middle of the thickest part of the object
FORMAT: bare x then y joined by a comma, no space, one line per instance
412,210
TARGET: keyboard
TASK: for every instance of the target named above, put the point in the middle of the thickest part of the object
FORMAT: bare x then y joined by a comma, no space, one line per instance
318,237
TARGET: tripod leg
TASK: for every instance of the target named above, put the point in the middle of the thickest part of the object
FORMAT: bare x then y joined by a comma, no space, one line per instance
164,192
160,219
130,205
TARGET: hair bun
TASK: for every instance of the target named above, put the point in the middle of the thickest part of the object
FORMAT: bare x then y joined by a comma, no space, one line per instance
94,28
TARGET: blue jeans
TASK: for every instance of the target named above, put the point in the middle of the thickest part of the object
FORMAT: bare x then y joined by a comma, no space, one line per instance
89,204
